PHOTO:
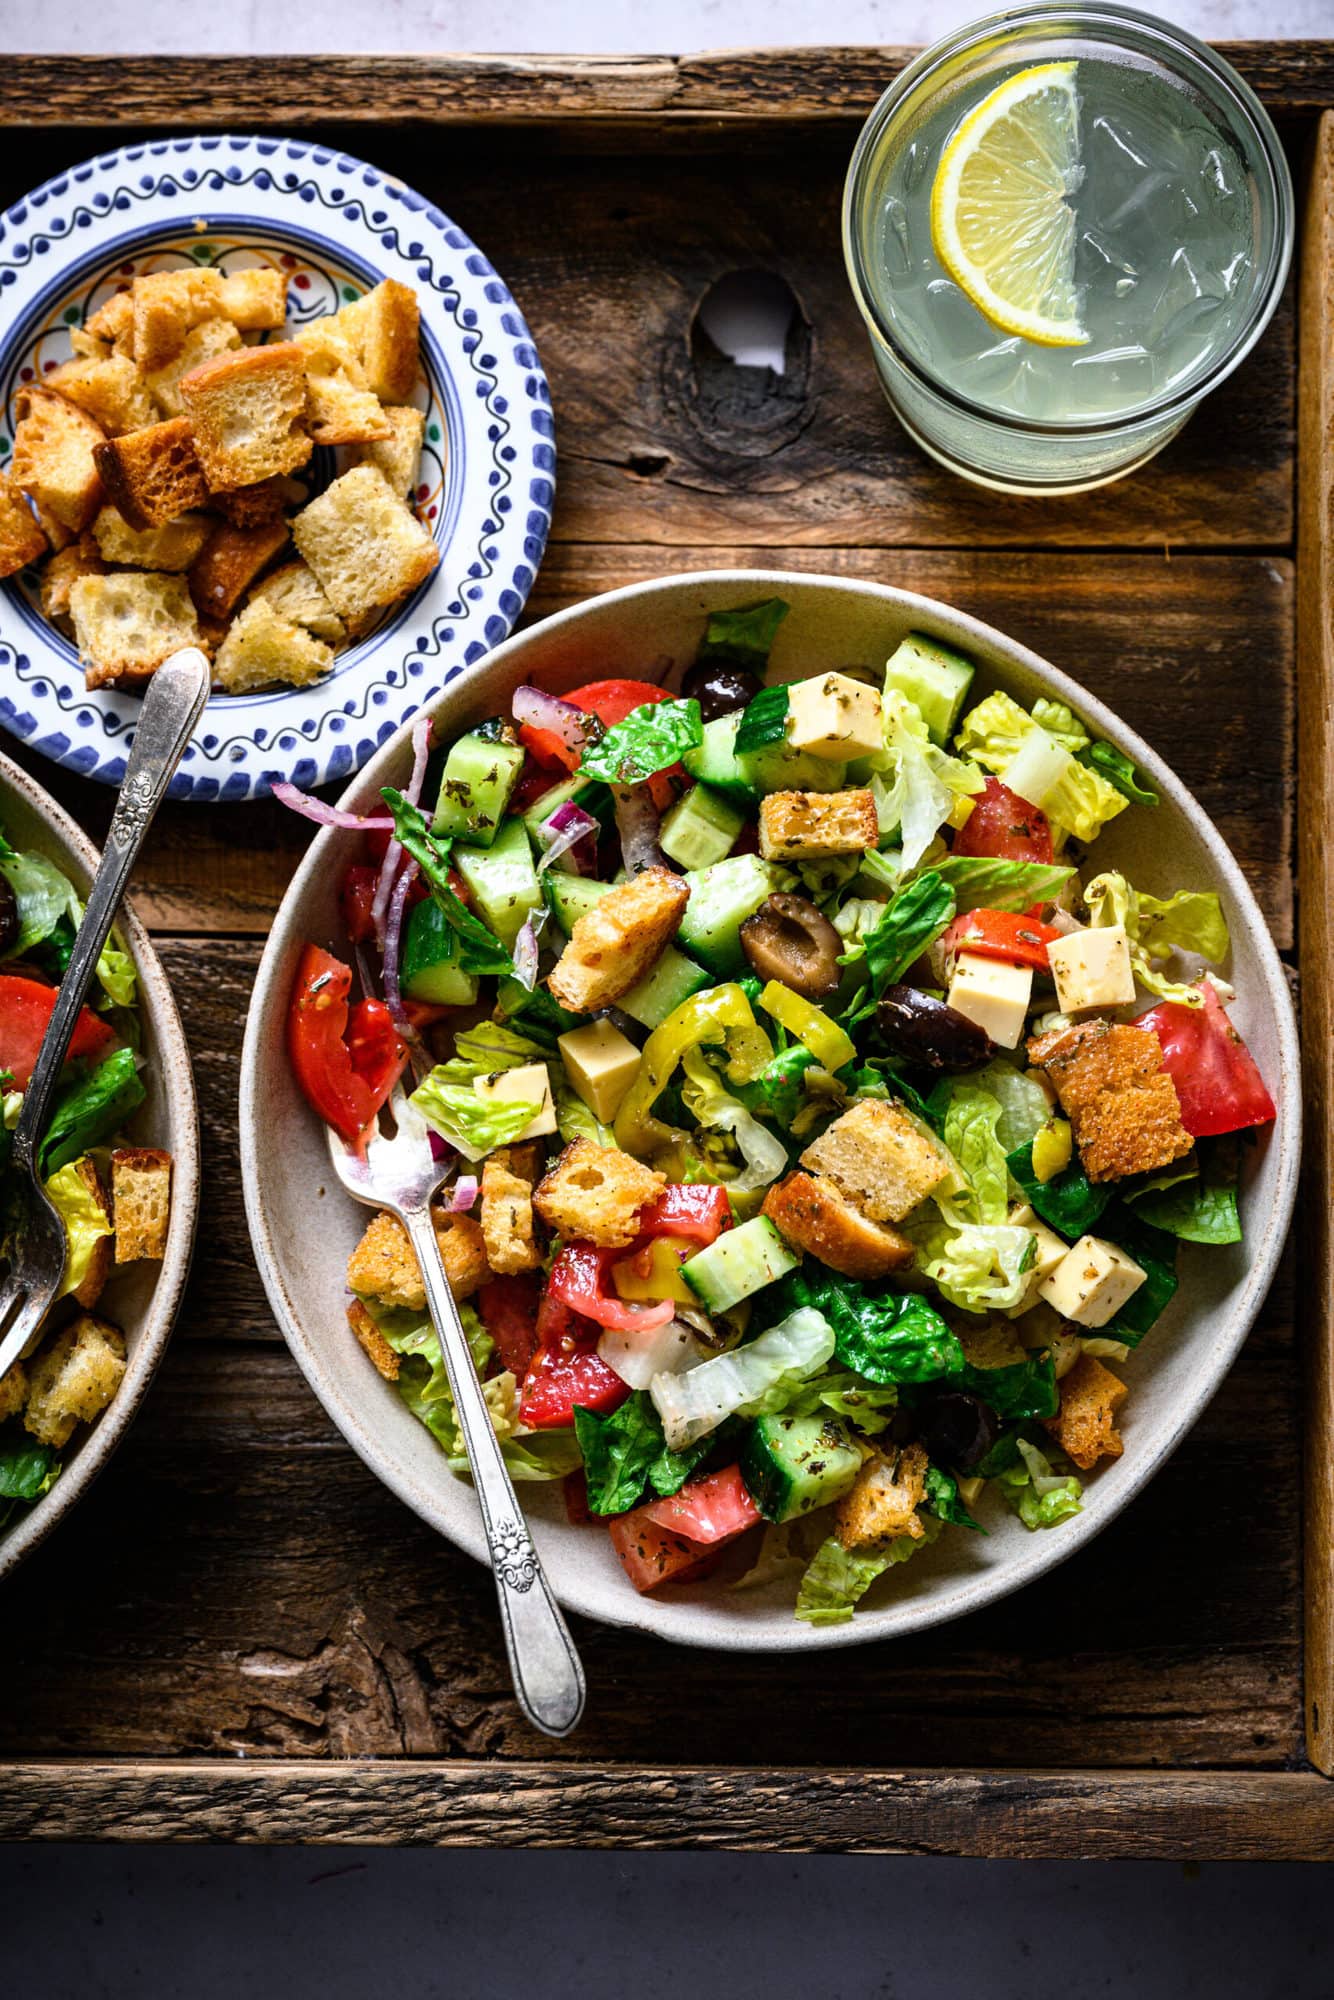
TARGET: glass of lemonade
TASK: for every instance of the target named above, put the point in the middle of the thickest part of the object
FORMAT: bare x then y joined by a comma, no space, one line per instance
1063,226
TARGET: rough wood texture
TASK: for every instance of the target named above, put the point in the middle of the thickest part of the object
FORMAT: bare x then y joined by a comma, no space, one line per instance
1315,658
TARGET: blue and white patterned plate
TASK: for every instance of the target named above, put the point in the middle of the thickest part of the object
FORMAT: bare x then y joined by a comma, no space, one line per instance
337,227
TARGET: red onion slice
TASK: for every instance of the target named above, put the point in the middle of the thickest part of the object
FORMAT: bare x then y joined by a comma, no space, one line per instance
546,711
568,825
637,824
393,854
440,1148
327,815
464,1195
525,956
393,937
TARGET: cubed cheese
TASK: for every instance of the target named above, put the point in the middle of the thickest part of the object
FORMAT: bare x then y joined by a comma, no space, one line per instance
993,994
1092,1282
1050,1251
601,1063
1037,767
1092,969
835,717
528,1085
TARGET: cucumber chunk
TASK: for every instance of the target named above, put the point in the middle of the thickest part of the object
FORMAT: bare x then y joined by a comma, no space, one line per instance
933,676
570,897
792,1465
478,780
501,880
747,777
430,970
660,992
700,828
721,898
536,1012
742,1261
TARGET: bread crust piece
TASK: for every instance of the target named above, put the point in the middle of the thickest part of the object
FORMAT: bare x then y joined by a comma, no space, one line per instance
126,623
614,944
385,331
807,826
883,1504
109,388
247,411
372,1341
21,539
229,563
340,408
260,647
166,305
507,1216
168,549
1121,1103
63,571
203,343
54,457
153,476
594,1194
13,1391
398,457
113,322
1085,1425
384,1265
141,1192
294,591
91,1285
73,1378
881,1158
814,1215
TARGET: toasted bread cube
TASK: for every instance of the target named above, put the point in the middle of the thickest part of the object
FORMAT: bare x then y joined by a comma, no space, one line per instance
21,540
295,594
1092,1282
883,1157
141,1192
170,548
53,459
1085,1425
1121,1103
57,534
247,411
256,299
883,1503
256,506
63,571
230,562
399,455
814,1214
363,544
595,1193
384,1265
614,944
153,476
507,1217
126,624
835,717
806,826
85,346
203,343
262,648
113,322
111,390
1091,968
384,328
372,1341
339,407
13,1391
93,1282
166,306
73,1378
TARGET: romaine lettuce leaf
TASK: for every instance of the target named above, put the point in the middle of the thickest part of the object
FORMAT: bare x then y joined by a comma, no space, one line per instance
651,739
1118,770
980,1267
866,1406
777,1092
1069,1203
942,1499
1081,803
764,721
488,1047
1199,1207
43,895
970,1134
716,1110
907,926
480,950
980,883
1023,1102
749,1381
115,975
1191,920
1026,1388
89,1110
574,1118
626,1455
86,1224
838,1578
915,783
474,1125
27,1469
1156,1254
1040,1496
1060,721
744,637
887,1337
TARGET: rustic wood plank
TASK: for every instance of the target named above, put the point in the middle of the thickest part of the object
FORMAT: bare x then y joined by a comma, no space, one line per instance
1173,645
749,88
1315,668
1064,1815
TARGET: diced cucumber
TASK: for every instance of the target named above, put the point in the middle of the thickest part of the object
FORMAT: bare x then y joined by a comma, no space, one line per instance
721,899
589,794
933,676
792,1465
570,897
430,970
714,760
700,828
501,880
673,979
746,778
478,780
740,1262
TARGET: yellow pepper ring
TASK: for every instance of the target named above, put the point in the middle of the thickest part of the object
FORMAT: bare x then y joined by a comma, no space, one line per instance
827,1042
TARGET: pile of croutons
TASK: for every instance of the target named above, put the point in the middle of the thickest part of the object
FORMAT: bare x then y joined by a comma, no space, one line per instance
155,468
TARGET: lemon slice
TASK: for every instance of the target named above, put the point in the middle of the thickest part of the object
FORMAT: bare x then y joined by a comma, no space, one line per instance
1000,221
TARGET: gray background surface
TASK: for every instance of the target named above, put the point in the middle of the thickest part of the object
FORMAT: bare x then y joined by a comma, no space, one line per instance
209,1924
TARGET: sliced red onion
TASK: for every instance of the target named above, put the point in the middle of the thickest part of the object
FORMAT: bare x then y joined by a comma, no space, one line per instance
637,824
421,750
568,825
393,854
393,937
464,1195
440,1148
525,956
327,815
546,711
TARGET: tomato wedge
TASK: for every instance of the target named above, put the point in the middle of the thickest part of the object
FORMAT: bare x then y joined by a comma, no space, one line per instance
579,1278
26,1006
676,1540
1019,940
1004,827
651,1555
708,1510
686,1209
1216,1078
508,1306
557,1381
346,1060
612,700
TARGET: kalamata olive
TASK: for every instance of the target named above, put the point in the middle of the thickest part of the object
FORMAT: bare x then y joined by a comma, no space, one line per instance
957,1429
9,916
930,1032
787,939
718,688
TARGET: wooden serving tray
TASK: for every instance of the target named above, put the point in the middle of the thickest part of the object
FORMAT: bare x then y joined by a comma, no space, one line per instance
242,1634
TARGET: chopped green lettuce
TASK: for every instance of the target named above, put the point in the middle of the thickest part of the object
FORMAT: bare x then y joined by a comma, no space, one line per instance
1191,920
838,1578
27,1469
980,883
1082,801
1024,1104
43,895
941,1498
1060,722
744,638
574,1118
480,950
89,1110
1117,768
1040,1496
475,1125
1069,1203
1199,1206
1155,1251
915,783
1025,1388
86,1224
981,1267
887,1337
777,1092
970,1133
906,926
116,976
867,1406
764,721
749,1381
626,1455
651,739
716,1110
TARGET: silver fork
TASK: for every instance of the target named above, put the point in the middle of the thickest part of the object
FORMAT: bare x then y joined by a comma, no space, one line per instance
401,1174
172,706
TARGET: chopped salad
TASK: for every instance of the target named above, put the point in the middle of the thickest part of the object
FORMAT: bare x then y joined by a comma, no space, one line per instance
822,1120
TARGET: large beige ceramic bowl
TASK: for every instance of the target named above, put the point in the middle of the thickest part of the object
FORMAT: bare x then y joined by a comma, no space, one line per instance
303,1226
141,1299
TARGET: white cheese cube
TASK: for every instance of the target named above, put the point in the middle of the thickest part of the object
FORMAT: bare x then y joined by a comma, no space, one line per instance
835,717
601,1064
1092,1282
1037,767
1092,969
530,1084
1050,1251
993,994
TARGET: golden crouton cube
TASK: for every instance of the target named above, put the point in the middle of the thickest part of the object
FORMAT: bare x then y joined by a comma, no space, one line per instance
815,1215
384,1265
991,1343
73,1378
63,571
807,826
53,458
294,591
362,543
127,623
1121,1103
507,1217
152,476
399,455
247,411
255,300
203,342
1085,1425
90,1287
21,540
233,558
372,1340
614,944
263,649
165,306
112,325
141,1193
883,1504
258,505
595,1194
109,388
13,1391
880,1155
168,549
384,330
339,407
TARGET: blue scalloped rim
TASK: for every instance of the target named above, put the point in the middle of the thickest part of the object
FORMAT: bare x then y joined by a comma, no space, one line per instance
327,732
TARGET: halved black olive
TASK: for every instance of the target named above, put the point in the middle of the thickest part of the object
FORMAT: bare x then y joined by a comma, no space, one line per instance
787,939
929,1032
9,917
958,1429
718,688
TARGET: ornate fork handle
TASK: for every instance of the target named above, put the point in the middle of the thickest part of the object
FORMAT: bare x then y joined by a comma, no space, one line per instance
548,1678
